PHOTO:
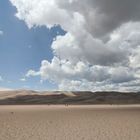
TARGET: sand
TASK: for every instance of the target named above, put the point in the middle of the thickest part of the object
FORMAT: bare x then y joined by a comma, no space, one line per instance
98,122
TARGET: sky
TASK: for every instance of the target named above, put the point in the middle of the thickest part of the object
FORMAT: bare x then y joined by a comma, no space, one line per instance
22,49
70,45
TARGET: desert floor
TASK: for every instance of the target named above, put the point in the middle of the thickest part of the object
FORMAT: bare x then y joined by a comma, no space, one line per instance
95,122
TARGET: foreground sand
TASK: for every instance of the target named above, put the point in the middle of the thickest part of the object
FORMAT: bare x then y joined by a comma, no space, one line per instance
70,122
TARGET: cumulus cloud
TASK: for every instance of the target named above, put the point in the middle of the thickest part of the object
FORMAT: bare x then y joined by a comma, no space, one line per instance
101,17
101,49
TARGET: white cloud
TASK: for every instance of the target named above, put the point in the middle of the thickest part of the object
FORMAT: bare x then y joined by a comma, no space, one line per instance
1,32
98,52
23,79
32,73
97,16
1,79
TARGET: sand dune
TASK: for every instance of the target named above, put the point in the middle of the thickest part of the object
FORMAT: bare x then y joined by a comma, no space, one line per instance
4,94
70,123
13,93
22,97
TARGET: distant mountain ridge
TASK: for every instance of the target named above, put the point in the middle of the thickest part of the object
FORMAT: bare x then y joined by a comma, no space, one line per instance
23,97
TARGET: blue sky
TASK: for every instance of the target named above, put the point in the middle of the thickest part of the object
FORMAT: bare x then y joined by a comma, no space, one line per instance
22,49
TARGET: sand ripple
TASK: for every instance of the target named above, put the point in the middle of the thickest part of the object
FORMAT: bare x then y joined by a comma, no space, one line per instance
69,123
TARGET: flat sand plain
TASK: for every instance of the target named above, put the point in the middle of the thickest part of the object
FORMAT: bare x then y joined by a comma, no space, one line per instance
95,122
